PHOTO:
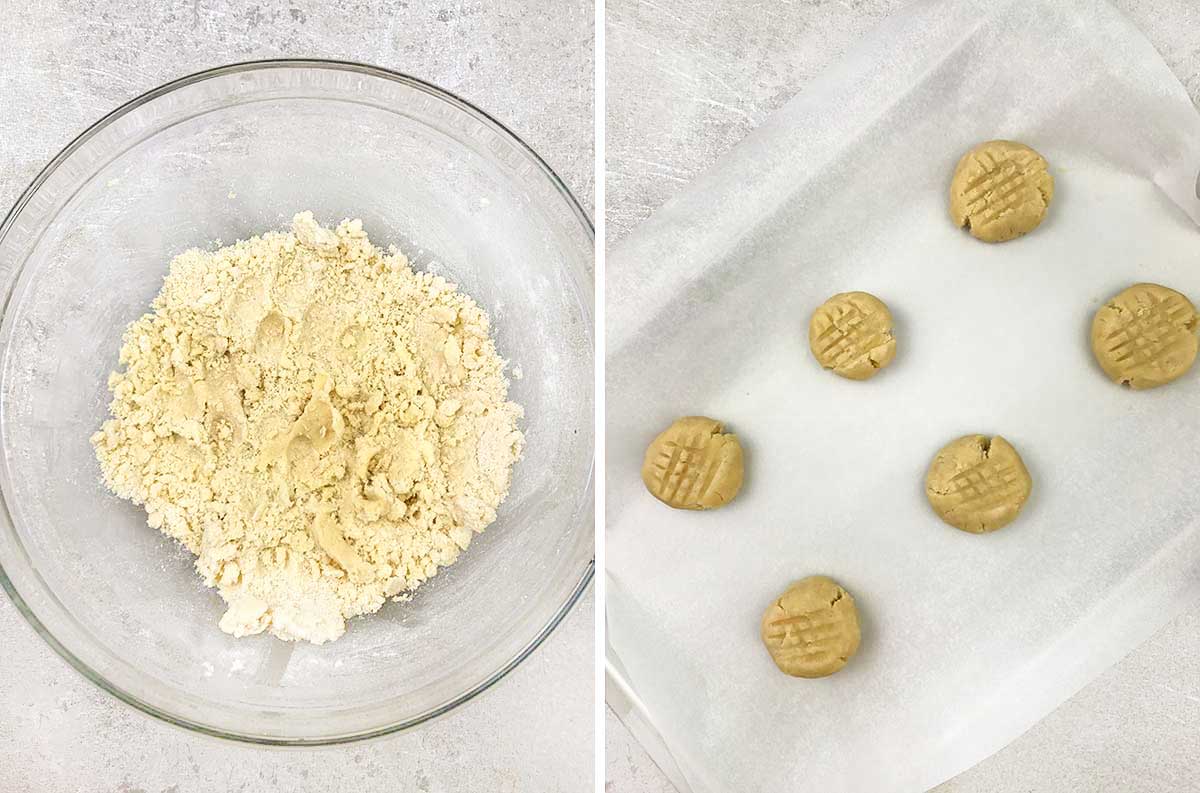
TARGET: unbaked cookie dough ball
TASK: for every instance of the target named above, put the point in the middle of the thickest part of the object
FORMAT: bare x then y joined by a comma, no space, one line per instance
977,484
693,464
1000,190
811,630
1146,336
851,333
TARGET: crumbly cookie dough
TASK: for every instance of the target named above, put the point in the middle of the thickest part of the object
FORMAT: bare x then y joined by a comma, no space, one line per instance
977,484
323,427
694,464
811,630
1146,336
1000,190
851,333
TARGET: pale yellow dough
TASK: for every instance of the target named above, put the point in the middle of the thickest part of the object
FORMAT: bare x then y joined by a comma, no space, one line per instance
1000,190
1146,336
811,630
977,484
851,333
693,464
321,425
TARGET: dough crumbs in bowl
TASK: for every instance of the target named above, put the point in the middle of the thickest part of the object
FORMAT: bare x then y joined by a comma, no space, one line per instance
322,426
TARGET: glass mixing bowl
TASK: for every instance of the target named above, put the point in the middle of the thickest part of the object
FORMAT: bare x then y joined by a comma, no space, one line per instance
224,155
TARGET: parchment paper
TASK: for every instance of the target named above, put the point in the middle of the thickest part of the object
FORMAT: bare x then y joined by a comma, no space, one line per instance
968,640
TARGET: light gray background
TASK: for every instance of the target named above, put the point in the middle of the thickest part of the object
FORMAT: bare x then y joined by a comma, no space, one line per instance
65,64
687,79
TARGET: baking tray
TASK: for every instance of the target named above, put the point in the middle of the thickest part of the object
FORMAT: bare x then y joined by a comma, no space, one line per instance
968,640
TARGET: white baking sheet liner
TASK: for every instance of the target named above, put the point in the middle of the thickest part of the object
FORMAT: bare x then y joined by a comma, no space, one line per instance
967,640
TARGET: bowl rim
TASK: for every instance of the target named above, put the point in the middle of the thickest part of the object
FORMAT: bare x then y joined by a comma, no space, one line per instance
91,131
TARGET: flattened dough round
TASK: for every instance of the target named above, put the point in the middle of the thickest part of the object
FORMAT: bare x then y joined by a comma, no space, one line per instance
977,484
1146,336
1000,190
693,464
851,333
811,630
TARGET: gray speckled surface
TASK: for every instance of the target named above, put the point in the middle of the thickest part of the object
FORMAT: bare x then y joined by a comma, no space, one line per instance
62,66
686,81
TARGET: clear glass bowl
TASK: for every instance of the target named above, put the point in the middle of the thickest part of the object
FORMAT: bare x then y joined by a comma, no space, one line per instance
223,155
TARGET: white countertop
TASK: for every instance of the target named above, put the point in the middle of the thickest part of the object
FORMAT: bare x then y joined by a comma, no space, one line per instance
687,79
62,66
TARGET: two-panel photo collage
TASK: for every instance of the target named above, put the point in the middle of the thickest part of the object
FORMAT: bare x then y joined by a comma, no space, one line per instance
600,396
